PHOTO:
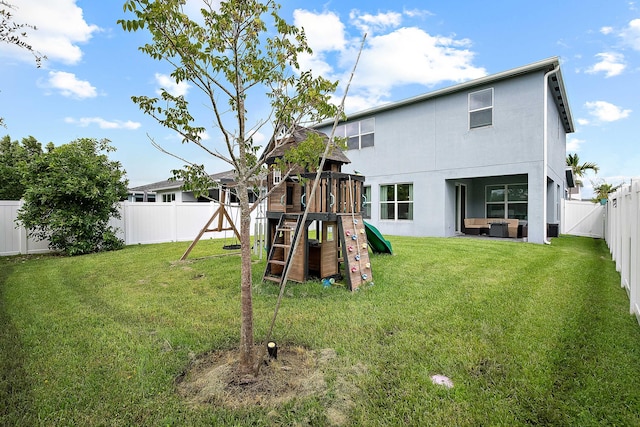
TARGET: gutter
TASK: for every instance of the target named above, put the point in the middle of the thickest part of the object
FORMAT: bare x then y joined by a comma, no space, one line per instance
545,142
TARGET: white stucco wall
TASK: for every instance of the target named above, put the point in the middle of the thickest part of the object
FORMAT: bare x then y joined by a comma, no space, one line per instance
429,144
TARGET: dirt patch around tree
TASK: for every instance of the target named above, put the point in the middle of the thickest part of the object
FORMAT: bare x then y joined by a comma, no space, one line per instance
297,373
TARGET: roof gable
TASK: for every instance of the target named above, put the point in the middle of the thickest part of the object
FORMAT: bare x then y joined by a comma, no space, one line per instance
298,135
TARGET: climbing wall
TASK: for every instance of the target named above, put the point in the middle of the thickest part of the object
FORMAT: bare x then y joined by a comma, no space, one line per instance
355,251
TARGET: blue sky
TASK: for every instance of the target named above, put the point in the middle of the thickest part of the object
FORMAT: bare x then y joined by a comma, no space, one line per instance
413,47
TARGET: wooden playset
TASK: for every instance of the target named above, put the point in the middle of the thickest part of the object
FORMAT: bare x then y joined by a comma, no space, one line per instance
333,233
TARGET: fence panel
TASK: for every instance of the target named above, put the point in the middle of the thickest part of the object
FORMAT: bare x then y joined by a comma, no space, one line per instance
622,235
583,218
13,238
140,223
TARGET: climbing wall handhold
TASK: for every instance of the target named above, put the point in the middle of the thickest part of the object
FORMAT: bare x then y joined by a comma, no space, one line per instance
354,269
358,257
362,231
367,265
354,237
350,248
364,277
348,233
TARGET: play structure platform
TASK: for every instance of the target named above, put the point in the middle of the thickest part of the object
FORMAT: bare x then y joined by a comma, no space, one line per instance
333,240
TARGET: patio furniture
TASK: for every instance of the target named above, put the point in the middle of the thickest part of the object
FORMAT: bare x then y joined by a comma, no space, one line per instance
499,229
482,225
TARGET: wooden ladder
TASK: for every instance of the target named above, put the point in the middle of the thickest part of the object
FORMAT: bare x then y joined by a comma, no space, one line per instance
280,253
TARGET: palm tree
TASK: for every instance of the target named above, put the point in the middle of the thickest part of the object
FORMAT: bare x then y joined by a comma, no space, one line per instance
578,169
602,190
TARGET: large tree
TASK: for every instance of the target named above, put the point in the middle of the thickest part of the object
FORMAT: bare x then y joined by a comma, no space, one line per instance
14,156
71,193
242,50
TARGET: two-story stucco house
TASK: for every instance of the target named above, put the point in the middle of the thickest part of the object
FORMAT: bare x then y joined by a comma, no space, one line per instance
493,147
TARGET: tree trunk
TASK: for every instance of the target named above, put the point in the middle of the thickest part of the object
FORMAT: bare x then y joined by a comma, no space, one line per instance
246,327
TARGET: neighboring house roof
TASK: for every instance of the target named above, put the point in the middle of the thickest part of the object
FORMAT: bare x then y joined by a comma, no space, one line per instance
556,84
226,177
298,135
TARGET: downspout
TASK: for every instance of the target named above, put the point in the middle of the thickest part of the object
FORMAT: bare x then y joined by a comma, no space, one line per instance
544,155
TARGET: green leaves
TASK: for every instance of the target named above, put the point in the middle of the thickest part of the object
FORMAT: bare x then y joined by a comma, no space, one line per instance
71,193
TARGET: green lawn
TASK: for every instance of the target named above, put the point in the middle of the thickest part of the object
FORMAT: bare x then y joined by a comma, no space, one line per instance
529,334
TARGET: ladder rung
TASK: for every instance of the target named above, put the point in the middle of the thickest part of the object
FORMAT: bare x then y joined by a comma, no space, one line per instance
280,245
275,261
276,279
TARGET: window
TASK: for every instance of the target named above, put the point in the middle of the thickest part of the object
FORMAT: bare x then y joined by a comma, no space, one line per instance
359,134
277,176
507,201
396,202
366,201
481,108
169,197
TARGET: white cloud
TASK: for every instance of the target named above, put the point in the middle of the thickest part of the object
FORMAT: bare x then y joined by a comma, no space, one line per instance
69,85
102,123
410,55
583,122
324,31
371,24
606,112
391,58
169,84
606,30
611,63
61,28
573,145
417,13
631,34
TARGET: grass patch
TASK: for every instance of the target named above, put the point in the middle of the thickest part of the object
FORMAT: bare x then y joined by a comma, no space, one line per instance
529,334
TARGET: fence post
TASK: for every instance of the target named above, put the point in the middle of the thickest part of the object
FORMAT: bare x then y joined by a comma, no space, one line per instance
634,255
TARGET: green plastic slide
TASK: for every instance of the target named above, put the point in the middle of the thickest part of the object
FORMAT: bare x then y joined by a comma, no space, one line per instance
377,242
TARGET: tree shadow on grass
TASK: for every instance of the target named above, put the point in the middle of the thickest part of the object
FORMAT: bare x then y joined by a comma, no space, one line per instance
16,400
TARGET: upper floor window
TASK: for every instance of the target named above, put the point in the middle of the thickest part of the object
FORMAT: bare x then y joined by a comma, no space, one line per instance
359,134
481,108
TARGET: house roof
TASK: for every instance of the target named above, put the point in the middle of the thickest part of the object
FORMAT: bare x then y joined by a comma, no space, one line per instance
556,84
298,135
225,177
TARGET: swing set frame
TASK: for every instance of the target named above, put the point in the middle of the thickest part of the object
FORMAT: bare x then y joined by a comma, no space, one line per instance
221,213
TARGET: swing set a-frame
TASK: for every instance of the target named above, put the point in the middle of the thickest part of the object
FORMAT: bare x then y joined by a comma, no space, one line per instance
221,214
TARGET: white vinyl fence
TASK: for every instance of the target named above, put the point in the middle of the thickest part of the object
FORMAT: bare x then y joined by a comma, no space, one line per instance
622,233
583,218
13,239
139,223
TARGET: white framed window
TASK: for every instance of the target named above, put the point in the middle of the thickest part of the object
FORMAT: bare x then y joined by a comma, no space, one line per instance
507,201
277,176
481,108
396,202
169,197
359,134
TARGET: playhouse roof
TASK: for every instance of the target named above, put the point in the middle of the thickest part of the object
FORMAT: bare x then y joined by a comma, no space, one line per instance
298,135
